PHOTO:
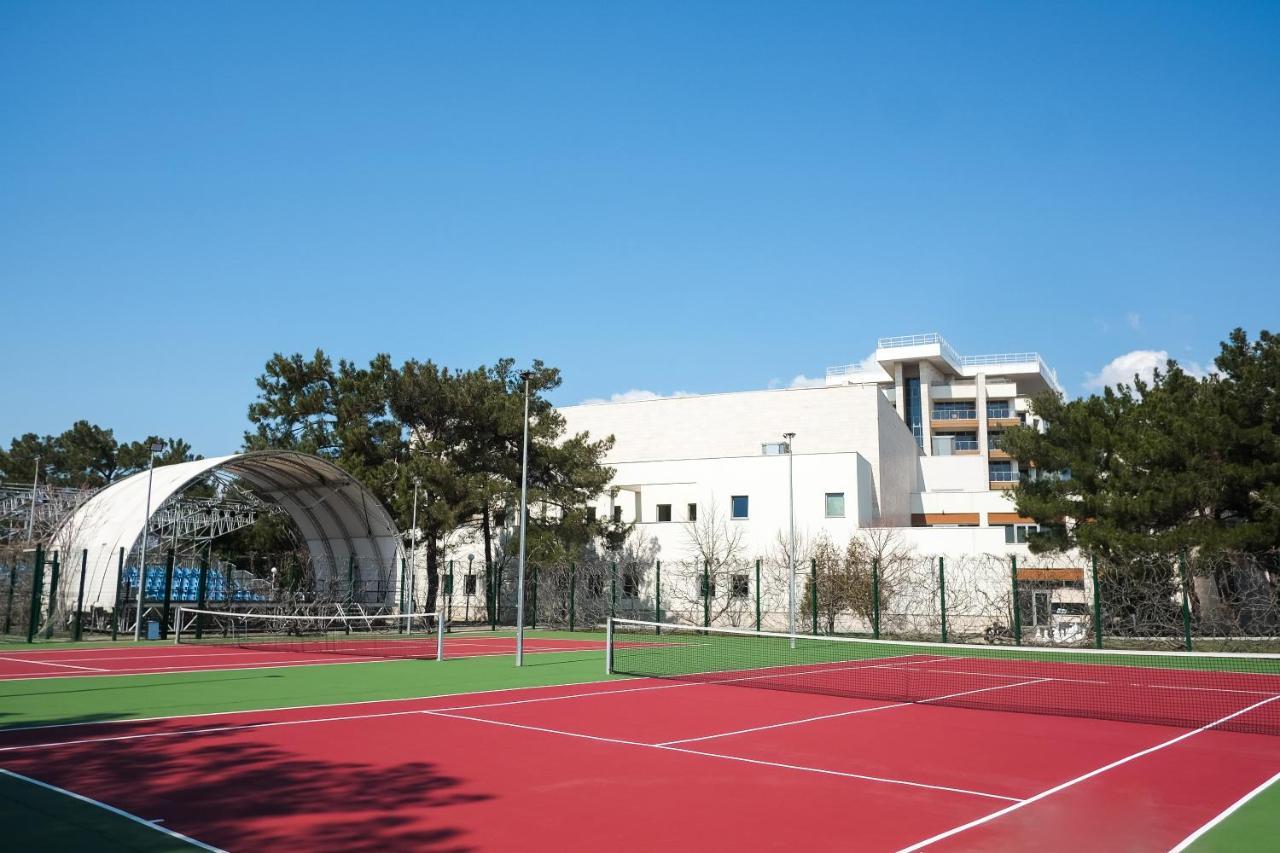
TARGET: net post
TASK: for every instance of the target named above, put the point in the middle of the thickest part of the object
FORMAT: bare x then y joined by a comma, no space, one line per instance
115,610
875,598
657,595
84,567
1097,607
202,595
813,581
440,623
706,593
757,595
608,646
168,595
37,585
1186,599
573,582
1017,605
942,594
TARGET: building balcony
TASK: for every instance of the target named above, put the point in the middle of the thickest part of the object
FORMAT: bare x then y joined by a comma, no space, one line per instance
1002,479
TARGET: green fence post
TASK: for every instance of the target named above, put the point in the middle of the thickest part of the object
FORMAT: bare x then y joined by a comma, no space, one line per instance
757,595
491,575
202,595
351,579
1186,599
573,585
813,582
613,590
448,598
533,602
227,595
37,587
115,609
168,595
1017,605
8,607
404,585
875,598
84,567
706,593
53,584
1097,607
657,595
942,594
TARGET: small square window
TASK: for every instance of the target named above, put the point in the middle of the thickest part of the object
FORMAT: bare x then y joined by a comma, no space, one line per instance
469,585
835,505
703,583
664,512
739,506
693,512
739,586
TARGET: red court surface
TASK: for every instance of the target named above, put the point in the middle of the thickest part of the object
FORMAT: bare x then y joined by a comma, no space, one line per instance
645,764
131,659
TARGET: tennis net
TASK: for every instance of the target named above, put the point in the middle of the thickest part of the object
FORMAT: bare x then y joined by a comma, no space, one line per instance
420,635
1236,692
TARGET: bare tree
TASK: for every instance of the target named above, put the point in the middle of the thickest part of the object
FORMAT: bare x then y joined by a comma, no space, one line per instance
709,581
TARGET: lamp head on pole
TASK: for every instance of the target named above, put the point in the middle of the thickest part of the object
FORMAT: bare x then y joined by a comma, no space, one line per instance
157,446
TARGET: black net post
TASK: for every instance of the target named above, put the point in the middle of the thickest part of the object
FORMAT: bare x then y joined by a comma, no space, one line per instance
942,595
706,593
53,584
757,595
875,598
1097,607
84,568
168,595
813,599
1186,600
8,606
573,584
657,594
1017,603
37,584
115,609
202,595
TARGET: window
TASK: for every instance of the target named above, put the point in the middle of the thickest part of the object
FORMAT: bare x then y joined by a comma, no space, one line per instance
448,584
693,512
835,504
664,512
912,410
469,585
591,514
702,587
1016,534
738,506
631,583
617,514
739,586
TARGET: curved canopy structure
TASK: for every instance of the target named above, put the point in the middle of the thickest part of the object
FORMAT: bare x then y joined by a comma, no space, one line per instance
342,523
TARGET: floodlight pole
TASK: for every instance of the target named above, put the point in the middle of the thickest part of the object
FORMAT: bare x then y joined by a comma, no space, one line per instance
524,519
31,516
146,525
791,548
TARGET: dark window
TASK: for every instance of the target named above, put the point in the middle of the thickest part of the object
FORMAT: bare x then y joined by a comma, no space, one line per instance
912,410
631,583
617,513
702,587
740,586
500,518
469,585
591,514
448,584
739,506
693,512
664,512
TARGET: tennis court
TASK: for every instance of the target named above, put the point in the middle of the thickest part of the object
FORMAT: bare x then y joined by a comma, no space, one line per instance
716,740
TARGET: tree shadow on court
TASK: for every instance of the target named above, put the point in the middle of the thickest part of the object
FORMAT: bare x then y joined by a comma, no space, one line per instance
239,792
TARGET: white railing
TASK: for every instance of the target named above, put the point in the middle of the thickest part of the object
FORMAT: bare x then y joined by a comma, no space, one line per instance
921,340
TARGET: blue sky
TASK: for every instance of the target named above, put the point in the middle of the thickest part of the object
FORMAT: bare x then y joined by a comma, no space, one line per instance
653,197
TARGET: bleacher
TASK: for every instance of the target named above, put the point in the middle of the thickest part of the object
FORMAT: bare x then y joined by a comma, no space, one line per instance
186,585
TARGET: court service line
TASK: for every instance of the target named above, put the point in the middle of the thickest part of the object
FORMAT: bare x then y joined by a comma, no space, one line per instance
1226,813
1060,679
150,824
920,845
819,770
847,713
50,663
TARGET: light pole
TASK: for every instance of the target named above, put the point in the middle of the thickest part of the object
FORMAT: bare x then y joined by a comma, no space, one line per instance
156,447
791,548
524,518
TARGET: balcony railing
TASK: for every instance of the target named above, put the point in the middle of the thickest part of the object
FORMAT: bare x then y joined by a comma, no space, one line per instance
964,444
921,340
1000,411
1001,476
955,414
994,443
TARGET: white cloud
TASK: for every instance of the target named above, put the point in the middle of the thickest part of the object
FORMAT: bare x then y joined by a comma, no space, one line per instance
802,381
1134,319
1143,363
634,395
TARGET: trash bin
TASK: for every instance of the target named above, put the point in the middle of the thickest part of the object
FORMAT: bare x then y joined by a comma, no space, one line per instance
153,629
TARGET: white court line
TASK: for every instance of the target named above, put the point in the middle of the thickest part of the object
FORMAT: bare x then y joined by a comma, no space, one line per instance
1058,679
818,770
919,845
850,713
1226,813
150,824
50,663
